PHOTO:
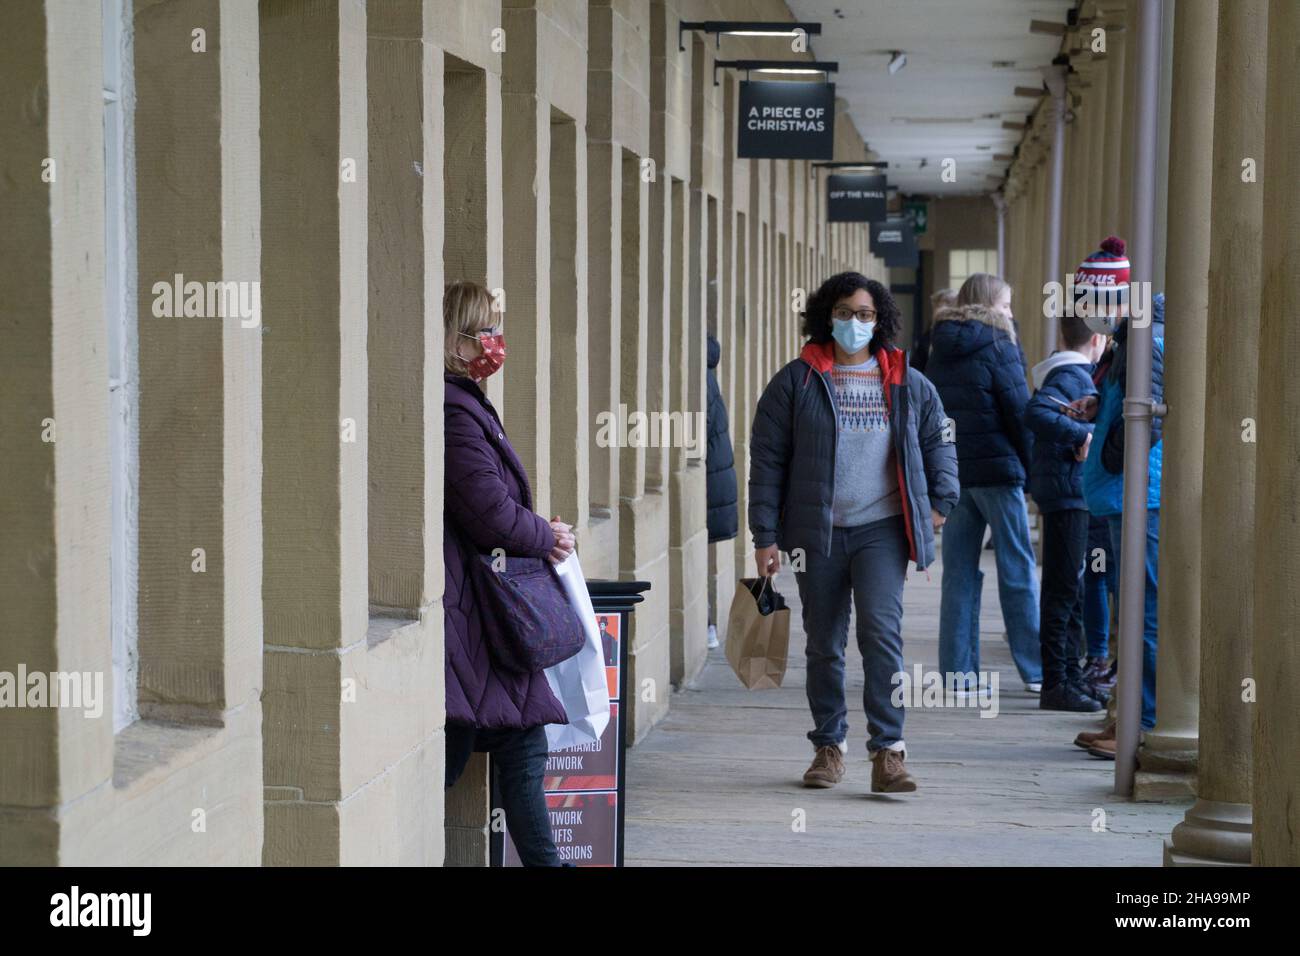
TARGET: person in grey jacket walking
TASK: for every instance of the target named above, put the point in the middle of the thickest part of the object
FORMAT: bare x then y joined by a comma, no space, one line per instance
851,474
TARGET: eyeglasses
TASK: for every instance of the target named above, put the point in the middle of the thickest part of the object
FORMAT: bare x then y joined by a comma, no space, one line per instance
490,330
862,315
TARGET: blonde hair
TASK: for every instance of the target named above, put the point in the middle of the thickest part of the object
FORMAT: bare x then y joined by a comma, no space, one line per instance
982,289
466,310
943,299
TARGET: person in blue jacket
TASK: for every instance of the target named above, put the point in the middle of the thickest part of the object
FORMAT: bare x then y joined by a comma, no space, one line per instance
1103,474
979,370
1061,445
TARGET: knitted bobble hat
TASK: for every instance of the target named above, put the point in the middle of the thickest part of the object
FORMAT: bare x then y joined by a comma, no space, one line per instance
1107,267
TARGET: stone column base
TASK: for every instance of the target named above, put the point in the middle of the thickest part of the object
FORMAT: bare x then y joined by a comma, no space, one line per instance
1151,786
1174,858
1211,834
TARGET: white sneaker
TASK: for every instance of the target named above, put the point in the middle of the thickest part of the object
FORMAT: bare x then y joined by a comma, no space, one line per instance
713,635
1036,688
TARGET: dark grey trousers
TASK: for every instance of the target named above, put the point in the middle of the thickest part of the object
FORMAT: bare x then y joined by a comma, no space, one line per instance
869,564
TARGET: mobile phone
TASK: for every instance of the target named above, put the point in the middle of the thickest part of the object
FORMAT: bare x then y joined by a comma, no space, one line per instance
1070,409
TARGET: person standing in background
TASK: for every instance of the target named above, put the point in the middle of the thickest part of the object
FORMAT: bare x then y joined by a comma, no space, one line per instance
1061,444
721,490
1103,475
978,367
943,299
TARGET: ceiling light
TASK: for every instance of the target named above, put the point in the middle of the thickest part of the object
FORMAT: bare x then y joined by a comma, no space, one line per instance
746,28
775,66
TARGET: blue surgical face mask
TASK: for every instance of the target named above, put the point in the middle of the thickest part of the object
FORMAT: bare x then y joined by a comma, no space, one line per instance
853,334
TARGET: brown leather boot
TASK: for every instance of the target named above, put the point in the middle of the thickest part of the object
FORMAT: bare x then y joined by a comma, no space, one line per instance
827,768
1104,748
1086,739
888,775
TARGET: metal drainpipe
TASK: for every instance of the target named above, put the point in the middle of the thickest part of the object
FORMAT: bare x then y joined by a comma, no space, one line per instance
1054,76
1138,409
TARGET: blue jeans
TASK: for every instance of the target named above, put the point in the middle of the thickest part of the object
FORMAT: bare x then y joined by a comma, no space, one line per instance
867,563
1098,590
519,761
1001,508
1149,607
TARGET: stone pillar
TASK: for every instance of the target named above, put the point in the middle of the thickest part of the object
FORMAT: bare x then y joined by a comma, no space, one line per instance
1276,797
1099,109
99,232
314,222
1217,828
526,148
404,344
54,450
1126,105
570,355
1115,145
1168,755
472,250
351,729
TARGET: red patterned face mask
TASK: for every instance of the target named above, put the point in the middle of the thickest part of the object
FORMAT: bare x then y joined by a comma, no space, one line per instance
492,358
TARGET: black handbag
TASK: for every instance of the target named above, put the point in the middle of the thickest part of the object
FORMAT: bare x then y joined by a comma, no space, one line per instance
528,620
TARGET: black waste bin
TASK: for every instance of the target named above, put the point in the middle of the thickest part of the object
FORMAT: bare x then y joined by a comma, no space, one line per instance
585,785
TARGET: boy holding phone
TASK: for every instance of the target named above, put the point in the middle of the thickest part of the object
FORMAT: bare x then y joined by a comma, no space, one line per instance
1055,414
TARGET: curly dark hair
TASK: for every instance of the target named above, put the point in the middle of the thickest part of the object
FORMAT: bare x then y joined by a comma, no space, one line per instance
817,316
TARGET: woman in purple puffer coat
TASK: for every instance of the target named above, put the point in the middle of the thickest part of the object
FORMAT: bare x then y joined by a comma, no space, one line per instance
489,506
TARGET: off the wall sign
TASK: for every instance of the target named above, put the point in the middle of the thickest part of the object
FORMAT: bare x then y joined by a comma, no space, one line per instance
786,120
855,197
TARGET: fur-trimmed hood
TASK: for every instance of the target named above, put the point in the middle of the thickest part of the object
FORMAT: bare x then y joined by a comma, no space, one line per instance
977,313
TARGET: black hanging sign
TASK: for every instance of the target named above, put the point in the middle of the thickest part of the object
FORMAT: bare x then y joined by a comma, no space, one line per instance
786,120
894,241
855,197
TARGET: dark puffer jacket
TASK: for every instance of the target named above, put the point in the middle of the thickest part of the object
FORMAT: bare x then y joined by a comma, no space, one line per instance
979,370
488,504
793,444
1055,477
721,461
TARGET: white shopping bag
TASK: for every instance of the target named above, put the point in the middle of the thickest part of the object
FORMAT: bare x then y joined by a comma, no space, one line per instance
579,682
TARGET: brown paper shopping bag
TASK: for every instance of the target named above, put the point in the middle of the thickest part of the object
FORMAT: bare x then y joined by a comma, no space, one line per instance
758,634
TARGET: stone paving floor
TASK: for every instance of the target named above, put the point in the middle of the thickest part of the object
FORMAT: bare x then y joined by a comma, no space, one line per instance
717,782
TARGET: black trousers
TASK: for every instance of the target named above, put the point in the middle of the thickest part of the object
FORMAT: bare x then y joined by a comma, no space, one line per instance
519,757
1065,543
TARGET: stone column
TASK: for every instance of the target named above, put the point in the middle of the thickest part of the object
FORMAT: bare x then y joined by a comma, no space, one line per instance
1115,145
1126,104
605,30
54,448
1276,797
1168,755
1098,109
314,298
1217,827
